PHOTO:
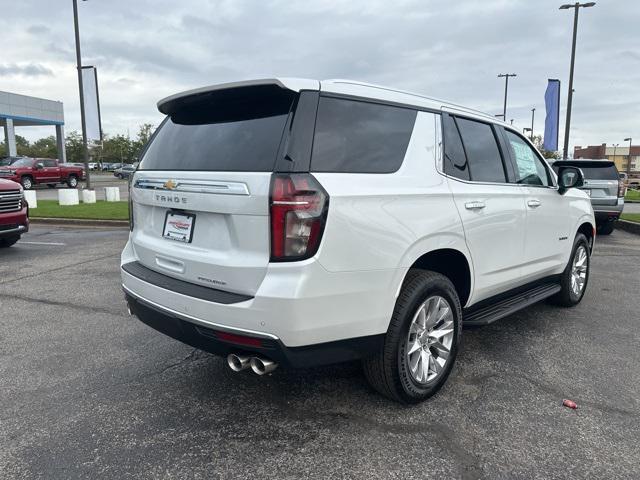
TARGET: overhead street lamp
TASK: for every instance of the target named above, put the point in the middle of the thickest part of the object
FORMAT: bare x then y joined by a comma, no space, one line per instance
629,158
615,147
533,115
506,88
85,149
576,6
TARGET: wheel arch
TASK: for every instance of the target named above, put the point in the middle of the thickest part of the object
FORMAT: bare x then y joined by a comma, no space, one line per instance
453,263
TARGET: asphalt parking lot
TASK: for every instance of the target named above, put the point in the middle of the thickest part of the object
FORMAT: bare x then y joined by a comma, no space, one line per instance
88,392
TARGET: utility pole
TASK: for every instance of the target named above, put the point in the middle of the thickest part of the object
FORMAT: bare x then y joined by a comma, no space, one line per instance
576,6
629,158
615,147
80,87
506,89
533,114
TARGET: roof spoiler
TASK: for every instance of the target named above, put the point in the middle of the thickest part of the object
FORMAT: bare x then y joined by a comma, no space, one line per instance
169,104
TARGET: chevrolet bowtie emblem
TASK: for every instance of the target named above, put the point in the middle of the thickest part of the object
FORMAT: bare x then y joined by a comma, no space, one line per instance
170,184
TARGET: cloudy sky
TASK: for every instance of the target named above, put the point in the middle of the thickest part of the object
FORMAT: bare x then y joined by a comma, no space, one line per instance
147,49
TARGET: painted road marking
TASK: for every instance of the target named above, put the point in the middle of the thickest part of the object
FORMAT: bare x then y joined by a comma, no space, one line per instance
43,243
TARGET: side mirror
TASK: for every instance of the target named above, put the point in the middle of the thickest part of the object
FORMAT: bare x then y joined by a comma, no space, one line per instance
569,177
39,166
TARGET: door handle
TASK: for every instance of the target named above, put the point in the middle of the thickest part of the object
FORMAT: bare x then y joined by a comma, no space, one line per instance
474,205
534,203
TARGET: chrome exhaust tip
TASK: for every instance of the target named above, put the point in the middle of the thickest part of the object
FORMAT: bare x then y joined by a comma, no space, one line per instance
262,366
237,363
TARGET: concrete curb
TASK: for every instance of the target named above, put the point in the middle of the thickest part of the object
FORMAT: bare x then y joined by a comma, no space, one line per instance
78,222
631,227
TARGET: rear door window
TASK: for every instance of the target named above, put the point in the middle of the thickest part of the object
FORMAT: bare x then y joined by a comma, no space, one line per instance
229,133
483,154
529,168
360,137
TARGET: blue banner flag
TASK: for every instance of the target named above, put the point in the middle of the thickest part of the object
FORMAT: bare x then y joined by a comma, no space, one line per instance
552,120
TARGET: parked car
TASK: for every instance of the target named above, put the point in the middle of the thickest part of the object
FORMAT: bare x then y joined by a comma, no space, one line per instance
14,213
305,223
93,166
124,172
604,186
32,171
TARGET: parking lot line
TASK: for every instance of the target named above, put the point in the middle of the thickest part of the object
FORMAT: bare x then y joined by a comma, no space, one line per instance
59,244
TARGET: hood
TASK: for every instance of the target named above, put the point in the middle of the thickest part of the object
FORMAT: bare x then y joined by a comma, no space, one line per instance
9,185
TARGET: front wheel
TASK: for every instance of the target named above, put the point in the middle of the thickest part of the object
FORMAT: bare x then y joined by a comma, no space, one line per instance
72,182
27,183
422,340
575,277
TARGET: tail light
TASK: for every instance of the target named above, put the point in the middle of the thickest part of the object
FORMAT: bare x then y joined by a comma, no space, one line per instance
621,189
298,208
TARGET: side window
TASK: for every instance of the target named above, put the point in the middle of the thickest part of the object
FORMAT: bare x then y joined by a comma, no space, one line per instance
360,137
49,163
529,168
483,154
455,161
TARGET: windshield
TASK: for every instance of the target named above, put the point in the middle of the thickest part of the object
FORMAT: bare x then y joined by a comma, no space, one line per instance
23,162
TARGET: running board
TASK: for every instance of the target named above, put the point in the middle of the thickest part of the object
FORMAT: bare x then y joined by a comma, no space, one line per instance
496,311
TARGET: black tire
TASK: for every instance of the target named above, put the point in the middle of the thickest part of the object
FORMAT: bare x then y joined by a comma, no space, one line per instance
51,185
119,176
26,182
566,297
7,242
72,181
388,371
606,228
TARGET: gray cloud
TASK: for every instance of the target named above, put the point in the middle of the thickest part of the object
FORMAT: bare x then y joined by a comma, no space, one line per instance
28,70
449,50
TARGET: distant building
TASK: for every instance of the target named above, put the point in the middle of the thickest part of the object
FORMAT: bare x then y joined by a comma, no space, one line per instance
22,111
619,155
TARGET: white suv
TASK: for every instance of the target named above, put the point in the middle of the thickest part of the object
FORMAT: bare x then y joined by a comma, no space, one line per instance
298,222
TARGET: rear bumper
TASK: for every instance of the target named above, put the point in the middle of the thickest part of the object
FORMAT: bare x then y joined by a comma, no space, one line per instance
223,340
608,213
300,303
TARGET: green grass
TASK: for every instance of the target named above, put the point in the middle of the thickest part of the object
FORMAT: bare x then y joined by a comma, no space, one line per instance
91,211
632,195
632,217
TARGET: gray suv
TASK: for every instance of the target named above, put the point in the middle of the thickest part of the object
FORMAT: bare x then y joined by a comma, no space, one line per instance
603,184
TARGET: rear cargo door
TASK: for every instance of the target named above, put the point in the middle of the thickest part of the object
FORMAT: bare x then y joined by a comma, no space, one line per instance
601,183
201,193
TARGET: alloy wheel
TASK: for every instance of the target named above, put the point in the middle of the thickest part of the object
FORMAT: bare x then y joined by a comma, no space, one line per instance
429,340
579,271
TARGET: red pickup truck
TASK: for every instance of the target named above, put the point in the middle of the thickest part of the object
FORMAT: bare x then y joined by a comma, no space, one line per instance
32,171
14,213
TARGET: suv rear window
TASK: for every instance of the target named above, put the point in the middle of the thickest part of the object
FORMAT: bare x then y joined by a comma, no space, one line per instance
233,133
360,137
597,173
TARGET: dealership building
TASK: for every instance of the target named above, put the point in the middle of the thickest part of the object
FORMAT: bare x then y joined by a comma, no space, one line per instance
619,155
24,111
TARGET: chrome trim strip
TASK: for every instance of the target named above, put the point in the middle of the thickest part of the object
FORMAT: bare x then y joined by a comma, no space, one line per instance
195,186
192,319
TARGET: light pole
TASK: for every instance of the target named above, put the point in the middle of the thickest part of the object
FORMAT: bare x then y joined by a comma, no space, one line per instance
533,115
615,147
576,6
506,88
85,149
629,158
